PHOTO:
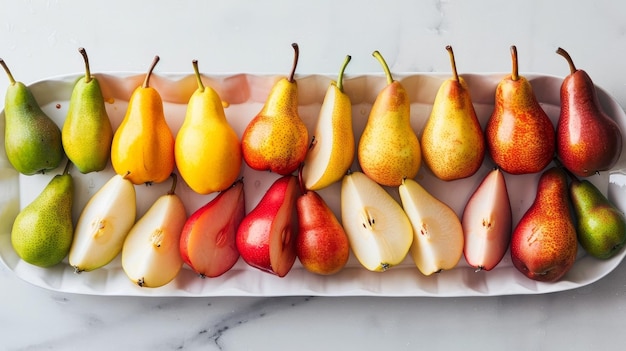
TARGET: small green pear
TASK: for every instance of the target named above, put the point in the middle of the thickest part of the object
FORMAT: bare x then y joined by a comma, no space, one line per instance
32,140
601,227
42,232
87,131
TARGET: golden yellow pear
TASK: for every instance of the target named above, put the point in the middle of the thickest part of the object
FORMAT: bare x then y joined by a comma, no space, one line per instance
453,143
332,150
143,145
389,149
207,148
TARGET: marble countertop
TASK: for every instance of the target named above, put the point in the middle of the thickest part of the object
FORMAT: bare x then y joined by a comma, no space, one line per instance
37,37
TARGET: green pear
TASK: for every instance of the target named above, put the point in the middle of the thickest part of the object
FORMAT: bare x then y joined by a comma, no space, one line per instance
601,227
87,131
453,144
42,232
32,140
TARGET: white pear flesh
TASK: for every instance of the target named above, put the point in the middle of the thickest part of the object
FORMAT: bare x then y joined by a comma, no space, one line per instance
151,252
487,222
103,225
332,150
437,231
379,231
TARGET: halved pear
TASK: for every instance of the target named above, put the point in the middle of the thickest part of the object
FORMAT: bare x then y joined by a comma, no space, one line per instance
103,225
378,229
332,150
151,253
487,222
437,231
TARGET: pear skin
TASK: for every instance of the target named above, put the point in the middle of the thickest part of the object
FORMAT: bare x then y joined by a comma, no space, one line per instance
87,132
453,144
332,150
42,232
277,139
143,145
32,140
389,150
544,243
588,140
520,135
216,161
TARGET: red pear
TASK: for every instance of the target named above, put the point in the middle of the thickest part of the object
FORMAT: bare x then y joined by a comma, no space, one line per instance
544,243
266,238
207,242
588,140
487,222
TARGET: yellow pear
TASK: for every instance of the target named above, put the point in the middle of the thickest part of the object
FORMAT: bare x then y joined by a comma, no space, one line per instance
389,149
378,230
215,162
332,149
143,145
277,139
453,144
437,231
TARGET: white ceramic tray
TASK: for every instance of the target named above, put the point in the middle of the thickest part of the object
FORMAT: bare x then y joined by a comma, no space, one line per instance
245,93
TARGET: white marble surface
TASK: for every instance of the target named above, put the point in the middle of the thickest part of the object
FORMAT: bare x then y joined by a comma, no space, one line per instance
39,39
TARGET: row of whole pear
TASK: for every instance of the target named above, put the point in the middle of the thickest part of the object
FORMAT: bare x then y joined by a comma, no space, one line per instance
292,220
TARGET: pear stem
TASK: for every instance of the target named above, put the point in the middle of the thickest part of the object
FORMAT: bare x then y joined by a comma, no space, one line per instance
303,188
455,75
197,72
340,76
6,69
515,69
83,52
565,54
68,164
382,61
296,55
174,181
146,81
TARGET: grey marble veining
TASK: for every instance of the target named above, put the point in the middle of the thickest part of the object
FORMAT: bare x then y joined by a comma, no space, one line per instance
243,36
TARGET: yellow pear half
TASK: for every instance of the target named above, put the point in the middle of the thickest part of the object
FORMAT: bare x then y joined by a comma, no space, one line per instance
332,151
151,255
437,231
379,231
103,225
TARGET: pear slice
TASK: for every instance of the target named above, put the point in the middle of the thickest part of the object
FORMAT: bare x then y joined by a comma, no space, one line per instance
103,225
378,229
332,150
487,222
151,254
437,232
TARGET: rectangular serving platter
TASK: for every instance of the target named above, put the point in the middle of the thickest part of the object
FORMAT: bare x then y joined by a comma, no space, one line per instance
245,94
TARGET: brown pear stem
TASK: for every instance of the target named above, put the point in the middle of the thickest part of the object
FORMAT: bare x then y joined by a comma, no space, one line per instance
303,188
68,164
383,63
455,75
340,75
196,70
565,54
174,182
515,69
146,82
83,52
296,55
6,69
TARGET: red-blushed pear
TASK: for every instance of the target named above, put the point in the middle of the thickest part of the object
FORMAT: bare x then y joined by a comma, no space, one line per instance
322,245
588,140
207,242
520,135
277,139
266,237
487,222
544,244
151,255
